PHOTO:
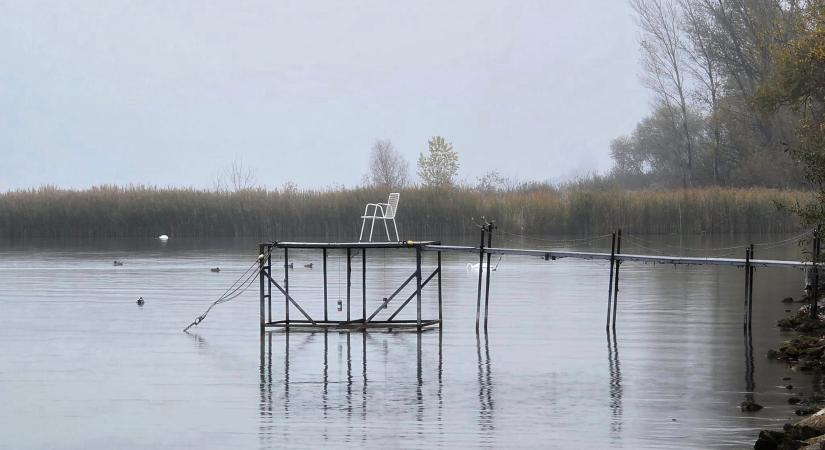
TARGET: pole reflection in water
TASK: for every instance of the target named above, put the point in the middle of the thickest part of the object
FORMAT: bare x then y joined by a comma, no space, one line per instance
750,385
325,391
311,398
266,426
615,385
485,386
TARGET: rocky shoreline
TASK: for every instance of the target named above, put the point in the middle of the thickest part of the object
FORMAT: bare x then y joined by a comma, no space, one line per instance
805,353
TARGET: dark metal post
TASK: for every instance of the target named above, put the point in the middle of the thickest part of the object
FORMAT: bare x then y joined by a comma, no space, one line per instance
750,290
480,273
610,283
261,277
364,284
747,284
487,287
286,286
418,285
439,291
616,286
815,291
349,279
326,317
269,281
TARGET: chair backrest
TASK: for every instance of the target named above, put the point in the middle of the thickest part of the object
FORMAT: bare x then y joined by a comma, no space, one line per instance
393,202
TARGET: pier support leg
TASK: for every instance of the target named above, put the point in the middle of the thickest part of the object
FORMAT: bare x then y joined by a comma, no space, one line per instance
747,285
286,286
440,315
349,280
610,283
750,292
269,280
487,281
418,286
616,279
326,317
364,284
261,277
480,273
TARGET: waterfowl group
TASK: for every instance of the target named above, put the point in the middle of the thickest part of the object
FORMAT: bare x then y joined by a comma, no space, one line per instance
215,269
117,263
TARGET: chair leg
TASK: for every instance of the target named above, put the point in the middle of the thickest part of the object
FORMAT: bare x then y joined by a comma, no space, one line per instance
397,237
361,236
387,230
371,227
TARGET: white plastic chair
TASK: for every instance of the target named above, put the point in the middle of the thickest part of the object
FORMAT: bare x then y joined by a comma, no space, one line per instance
381,211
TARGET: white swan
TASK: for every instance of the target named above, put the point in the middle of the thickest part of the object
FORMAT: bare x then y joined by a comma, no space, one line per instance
471,266
163,237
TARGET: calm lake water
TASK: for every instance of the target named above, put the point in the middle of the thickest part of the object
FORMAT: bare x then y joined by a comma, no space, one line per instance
84,367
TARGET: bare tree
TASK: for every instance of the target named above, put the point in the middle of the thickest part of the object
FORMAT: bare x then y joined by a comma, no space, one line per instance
702,64
388,168
663,57
236,178
491,181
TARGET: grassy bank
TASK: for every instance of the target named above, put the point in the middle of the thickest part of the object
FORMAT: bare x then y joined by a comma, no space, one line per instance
423,213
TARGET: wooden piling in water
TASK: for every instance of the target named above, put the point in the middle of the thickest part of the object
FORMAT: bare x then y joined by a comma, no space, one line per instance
747,285
480,267
610,282
490,227
616,286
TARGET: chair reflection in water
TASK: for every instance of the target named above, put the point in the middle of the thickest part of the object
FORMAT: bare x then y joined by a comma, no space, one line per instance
381,211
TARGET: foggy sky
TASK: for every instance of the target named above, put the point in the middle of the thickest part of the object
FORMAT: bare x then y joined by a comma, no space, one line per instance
170,92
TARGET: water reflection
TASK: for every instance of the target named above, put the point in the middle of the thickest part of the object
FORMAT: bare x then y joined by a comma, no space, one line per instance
200,342
750,386
265,407
341,409
485,385
615,385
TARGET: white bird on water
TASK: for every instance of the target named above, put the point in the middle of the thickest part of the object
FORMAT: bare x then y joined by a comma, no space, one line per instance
163,237
475,266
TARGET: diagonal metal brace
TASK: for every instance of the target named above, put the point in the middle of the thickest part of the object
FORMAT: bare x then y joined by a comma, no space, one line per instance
388,299
435,272
289,297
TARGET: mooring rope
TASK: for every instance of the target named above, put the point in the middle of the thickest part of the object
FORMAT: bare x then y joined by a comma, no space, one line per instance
232,292
586,240
727,250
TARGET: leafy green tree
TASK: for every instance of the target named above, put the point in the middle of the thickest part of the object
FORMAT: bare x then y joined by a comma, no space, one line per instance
440,166
798,83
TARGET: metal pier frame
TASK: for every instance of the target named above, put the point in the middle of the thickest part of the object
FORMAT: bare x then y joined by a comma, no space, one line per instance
267,282
485,247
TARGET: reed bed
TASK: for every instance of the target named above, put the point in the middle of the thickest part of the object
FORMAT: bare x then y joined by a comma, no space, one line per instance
140,211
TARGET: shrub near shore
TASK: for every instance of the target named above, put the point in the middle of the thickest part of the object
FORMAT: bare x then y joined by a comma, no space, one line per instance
534,209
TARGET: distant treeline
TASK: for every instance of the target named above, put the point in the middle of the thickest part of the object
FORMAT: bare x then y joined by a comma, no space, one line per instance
422,213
